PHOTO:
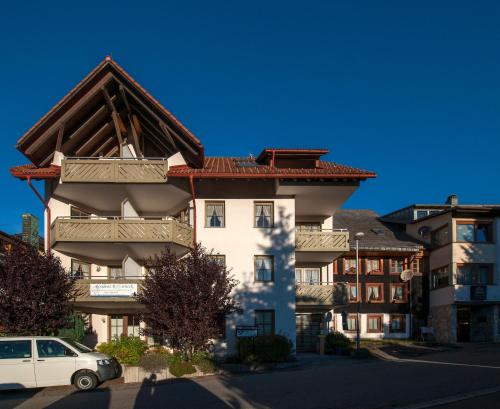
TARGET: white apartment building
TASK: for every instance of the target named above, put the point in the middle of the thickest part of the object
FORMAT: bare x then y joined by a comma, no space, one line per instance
124,178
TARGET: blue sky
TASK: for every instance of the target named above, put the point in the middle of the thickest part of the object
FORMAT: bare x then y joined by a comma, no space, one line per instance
410,90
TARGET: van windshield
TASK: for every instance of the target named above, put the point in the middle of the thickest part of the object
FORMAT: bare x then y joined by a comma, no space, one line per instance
79,347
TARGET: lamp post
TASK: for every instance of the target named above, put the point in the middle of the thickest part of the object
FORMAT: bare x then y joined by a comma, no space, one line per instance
358,236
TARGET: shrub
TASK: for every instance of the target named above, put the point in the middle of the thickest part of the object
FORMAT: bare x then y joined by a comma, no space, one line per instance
338,343
127,350
265,348
155,360
204,363
180,368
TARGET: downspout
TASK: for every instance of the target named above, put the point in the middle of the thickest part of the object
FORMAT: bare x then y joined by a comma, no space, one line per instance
273,158
193,196
45,204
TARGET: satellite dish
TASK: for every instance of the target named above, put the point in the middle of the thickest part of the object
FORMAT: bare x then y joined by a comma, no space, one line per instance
407,275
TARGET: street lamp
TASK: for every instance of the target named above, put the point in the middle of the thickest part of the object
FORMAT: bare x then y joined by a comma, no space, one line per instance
358,236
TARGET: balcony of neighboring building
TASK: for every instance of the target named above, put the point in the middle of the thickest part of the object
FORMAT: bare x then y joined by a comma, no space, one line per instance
111,238
314,243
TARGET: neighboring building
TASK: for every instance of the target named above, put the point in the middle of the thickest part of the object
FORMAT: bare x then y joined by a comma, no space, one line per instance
464,299
124,178
7,242
30,229
385,252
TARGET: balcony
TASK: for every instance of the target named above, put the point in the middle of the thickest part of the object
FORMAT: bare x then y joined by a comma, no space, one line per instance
320,295
320,246
105,239
103,295
114,170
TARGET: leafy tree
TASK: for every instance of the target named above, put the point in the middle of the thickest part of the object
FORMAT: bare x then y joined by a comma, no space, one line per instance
186,299
35,292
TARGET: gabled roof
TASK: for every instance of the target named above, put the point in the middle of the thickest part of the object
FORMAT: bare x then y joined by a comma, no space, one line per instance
233,167
107,102
379,236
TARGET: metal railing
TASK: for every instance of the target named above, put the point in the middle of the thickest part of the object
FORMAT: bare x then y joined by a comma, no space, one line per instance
114,170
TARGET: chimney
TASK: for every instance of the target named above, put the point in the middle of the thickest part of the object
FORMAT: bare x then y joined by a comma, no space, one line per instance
452,200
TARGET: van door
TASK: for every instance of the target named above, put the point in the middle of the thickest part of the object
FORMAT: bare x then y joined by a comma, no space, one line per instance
17,368
55,363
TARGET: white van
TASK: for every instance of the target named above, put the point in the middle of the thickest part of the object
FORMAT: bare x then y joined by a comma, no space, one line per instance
33,362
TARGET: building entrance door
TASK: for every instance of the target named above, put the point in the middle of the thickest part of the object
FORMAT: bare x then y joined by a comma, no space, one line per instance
308,327
463,324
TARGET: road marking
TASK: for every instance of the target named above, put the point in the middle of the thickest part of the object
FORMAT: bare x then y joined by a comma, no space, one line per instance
387,357
451,399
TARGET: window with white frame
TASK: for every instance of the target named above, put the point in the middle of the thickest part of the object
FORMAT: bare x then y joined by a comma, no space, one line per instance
309,276
264,268
263,214
80,269
373,266
215,214
398,292
374,323
350,265
374,292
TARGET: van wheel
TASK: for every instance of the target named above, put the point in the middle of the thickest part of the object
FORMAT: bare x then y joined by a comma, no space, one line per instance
85,381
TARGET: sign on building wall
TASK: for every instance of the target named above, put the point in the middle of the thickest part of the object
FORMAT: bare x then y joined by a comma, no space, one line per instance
113,290
246,331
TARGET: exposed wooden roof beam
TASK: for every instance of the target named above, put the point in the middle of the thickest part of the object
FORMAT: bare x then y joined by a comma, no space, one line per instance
112,151
60,133
38,142
79,133
157,140
103,146
101,133
125,99
135,137
158,119
158,133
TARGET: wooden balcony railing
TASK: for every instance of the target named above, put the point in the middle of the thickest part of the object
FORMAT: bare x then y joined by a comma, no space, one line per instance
321,294
116,170
67,229
329,240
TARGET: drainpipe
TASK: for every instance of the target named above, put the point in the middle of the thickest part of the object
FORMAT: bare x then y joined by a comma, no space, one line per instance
273,158
45,204
193,196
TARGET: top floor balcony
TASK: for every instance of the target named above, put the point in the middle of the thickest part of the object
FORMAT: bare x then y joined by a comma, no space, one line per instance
320,245
113,170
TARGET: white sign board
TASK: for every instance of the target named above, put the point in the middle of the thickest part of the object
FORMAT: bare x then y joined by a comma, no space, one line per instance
113,290
246,332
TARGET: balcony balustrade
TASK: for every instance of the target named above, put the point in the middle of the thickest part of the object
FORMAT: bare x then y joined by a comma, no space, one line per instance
114,170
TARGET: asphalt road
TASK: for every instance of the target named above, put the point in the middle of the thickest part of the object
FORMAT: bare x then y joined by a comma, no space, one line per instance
329,383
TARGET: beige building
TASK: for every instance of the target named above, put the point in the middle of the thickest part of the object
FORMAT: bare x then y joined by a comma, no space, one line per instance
124,178
464,282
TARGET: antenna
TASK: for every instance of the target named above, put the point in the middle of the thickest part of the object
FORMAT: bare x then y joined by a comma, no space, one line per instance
407,275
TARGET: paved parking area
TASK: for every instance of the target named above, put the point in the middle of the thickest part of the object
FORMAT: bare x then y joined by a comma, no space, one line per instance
319,383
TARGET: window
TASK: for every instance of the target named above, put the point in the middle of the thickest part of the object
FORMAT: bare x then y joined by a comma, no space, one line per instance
133,327
374,323
309,276
215,214
441,236
397,265
374,292
352,322
264,268
398,293
116,326
308,226
417,265
52,349
263,214
15,349
115,273
183,215
353,292
350,265
76,213
440,277
397,323
422,213
373,266
219,258
264,321
472,232
475,274
80,269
